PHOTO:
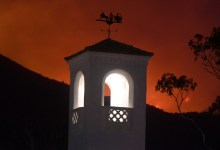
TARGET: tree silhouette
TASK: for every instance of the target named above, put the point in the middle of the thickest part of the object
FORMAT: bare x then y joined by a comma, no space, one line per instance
179,88
215,107
208,50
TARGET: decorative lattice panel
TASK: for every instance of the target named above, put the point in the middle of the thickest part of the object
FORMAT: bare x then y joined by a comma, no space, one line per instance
116,115
75,117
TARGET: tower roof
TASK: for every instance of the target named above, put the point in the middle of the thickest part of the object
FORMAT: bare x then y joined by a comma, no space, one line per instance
112,46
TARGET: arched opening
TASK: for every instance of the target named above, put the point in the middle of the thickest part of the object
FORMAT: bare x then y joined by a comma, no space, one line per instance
121,88
79,90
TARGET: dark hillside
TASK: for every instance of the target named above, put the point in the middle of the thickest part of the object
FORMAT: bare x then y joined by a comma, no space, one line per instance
166,131
34,115
33,108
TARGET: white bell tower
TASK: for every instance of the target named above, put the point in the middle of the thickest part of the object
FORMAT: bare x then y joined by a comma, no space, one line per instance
108,97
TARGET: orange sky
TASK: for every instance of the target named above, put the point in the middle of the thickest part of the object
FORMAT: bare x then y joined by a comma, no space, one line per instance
39,34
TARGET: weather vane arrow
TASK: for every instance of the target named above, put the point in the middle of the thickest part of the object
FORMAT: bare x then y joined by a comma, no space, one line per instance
111,19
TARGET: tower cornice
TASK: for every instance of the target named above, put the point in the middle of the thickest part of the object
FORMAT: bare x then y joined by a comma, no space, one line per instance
112,46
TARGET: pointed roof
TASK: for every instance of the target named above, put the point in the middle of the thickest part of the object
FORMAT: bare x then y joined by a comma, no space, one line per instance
112,46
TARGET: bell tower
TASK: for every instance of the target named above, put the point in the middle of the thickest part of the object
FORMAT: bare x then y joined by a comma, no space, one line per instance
108,97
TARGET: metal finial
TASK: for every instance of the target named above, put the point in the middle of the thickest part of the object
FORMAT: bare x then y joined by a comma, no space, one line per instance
110,20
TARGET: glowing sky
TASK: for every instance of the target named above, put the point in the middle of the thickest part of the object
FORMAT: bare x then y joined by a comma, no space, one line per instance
39,34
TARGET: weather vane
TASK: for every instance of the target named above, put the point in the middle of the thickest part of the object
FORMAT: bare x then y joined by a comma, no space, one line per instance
110,20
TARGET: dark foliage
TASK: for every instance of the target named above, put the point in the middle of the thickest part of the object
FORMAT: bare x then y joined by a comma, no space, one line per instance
34,114
169,82
215,107
207,48
177,88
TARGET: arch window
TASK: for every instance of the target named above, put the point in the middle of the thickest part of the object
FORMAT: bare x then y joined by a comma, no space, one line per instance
79,90
120,84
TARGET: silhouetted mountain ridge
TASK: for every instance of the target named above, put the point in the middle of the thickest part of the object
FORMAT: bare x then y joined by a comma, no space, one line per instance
33,108
34,115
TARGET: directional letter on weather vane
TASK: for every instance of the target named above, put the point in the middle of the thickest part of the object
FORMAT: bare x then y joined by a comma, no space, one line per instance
110,20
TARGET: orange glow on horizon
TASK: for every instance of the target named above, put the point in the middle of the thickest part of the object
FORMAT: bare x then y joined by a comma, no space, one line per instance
187,100
157,106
